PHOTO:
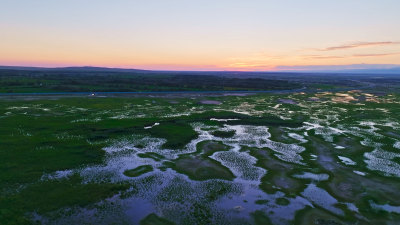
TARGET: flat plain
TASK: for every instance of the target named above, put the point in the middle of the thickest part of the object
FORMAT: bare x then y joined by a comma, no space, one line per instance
320,157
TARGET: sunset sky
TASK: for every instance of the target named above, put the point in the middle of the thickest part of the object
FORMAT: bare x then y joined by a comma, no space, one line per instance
199,35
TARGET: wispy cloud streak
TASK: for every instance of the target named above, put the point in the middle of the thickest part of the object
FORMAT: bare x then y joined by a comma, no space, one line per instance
376,55
322,57
359,45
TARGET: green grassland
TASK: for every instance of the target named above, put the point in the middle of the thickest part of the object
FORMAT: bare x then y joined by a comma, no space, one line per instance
41,139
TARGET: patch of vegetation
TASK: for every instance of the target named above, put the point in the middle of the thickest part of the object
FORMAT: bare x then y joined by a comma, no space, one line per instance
208,148
217,189
140,146
260,218
40,151
153,219
138,171
198,165
47,196
151,155
282,201
224,134
261,202
315,216
201,213
279,135
198,168
278,176
178,134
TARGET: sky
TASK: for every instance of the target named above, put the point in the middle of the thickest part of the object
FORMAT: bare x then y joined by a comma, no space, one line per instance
249,35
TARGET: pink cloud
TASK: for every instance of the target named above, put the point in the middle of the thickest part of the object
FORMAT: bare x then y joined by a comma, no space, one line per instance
359,45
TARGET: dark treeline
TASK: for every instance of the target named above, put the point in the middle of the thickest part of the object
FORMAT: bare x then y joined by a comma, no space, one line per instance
86,81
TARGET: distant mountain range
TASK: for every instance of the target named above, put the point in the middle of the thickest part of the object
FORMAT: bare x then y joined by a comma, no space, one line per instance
84,68
367,71
350,69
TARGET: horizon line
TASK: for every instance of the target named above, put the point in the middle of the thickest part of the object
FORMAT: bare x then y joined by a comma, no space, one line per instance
276,69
